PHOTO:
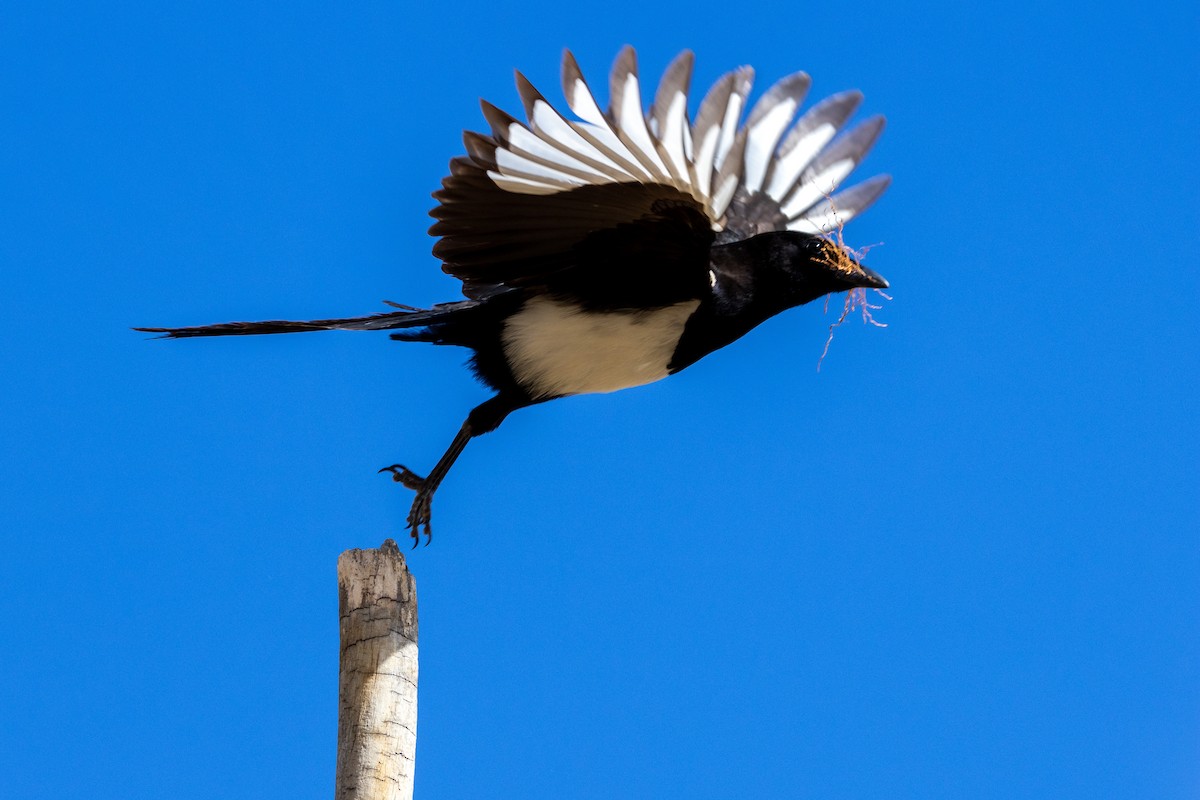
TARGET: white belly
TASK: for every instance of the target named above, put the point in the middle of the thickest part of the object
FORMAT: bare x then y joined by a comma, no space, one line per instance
556,348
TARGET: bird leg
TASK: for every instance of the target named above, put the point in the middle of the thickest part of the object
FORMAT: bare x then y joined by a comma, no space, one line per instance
484,418
420,514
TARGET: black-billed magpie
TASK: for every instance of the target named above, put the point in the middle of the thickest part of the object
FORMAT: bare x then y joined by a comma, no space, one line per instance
620,247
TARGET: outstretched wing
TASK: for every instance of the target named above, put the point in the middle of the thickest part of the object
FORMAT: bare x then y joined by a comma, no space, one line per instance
619,245
629,201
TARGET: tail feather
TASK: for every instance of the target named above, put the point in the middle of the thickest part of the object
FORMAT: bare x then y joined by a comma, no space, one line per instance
409,317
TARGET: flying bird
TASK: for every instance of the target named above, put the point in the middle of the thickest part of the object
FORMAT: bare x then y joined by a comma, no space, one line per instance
618,247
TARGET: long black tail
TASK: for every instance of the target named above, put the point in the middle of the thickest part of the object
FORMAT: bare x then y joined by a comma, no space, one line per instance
406,317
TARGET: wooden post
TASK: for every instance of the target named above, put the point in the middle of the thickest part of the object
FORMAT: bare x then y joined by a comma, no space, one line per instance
377,691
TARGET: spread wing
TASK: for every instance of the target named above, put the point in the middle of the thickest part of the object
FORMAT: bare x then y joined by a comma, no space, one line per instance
623,205
619,245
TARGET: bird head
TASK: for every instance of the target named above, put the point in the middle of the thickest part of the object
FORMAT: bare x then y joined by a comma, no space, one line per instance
817,266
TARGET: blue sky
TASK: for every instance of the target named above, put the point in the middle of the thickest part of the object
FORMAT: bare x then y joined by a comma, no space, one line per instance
960,561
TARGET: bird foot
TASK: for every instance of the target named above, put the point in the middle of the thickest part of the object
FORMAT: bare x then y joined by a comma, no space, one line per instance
420,515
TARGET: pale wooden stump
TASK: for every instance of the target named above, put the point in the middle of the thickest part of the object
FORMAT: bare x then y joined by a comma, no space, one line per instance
377,692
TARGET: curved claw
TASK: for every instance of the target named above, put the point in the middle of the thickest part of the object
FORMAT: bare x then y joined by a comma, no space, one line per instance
420,515
404,475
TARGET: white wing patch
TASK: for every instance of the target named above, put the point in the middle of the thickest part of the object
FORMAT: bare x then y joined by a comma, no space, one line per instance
797,162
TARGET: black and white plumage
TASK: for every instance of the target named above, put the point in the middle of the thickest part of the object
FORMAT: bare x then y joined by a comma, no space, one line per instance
621,246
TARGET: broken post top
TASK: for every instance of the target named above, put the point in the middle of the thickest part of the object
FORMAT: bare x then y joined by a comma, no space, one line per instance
378,580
